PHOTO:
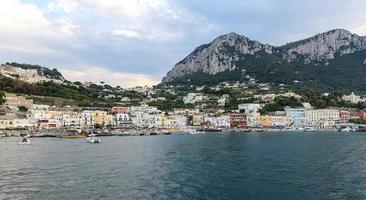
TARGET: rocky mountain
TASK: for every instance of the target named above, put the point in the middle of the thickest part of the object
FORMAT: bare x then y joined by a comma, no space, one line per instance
309,61
323,47
218,56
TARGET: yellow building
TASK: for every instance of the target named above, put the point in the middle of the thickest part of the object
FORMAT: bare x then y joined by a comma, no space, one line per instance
166,122
265,121
197,120
6,124
15,101
100,117
109,120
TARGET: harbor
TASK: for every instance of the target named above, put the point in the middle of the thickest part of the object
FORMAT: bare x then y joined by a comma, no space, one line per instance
187,167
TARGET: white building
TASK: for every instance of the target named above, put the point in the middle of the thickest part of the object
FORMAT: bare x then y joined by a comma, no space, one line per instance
249,108
144,108
320,118
193,98
281,121
40,107
72,119
180,121
23,123
122,119
87,118
297,115
223,100
352,98
217,122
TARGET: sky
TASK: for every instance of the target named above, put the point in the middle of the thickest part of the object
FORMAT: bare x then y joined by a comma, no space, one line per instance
136,42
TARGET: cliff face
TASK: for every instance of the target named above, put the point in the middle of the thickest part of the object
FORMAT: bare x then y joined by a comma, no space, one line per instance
323,47
218,56
223,53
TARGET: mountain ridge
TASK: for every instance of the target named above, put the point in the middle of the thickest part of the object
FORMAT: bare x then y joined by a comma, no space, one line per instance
232,52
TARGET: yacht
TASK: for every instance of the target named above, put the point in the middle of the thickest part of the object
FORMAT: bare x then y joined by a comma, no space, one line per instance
93,139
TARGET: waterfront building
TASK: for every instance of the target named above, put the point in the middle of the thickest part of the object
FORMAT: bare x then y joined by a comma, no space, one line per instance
109,120
72,119
238,120
281,121
102,118
217,122
122,120
362,114
53,123
321,118
344,115
252,119
180,121
87,119
197,120
265,121
23,123
297,115
6,123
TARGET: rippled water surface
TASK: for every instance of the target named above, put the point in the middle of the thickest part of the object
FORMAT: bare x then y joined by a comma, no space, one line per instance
210,166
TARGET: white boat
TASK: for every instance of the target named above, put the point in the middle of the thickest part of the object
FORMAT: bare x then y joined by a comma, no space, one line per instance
347,129
25,141
92,139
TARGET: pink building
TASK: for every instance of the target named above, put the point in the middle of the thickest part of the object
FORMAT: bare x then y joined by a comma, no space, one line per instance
344,115
119,110
362,114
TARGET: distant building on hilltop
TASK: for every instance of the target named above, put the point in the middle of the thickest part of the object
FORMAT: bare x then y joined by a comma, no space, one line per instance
352,98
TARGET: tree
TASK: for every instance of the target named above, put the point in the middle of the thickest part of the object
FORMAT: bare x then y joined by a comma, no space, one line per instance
2,97
23,109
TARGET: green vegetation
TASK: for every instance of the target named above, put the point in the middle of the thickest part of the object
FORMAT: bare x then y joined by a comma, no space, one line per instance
358,121
333,99
280,103
84,96
345,73
52,73
23,109
171,101
2,97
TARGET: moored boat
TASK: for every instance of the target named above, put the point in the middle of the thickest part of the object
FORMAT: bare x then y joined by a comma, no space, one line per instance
72,134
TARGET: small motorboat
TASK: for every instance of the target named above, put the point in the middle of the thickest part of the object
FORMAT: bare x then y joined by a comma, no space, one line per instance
25,141
93,139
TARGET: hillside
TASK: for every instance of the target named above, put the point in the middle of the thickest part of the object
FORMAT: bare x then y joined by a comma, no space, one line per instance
334,60
50,85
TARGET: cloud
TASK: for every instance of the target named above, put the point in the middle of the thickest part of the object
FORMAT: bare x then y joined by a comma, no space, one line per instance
98,74
137,37
25,28
131,9
67,26
154,20
126,33
66,6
